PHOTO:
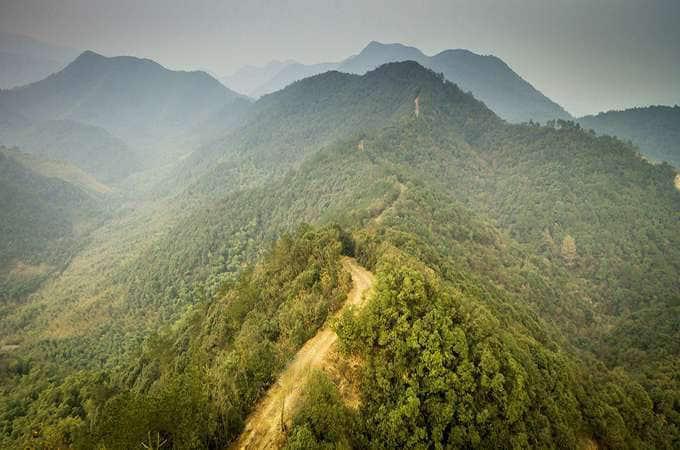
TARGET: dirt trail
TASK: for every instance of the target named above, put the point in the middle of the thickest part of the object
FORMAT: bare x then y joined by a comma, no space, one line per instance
263,426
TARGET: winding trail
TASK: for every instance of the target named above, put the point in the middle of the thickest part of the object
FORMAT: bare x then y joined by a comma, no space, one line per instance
263,428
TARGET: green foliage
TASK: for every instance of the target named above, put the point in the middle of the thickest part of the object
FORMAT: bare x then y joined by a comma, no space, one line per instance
482,332
322,420
655,130
41,225
441,371
192,384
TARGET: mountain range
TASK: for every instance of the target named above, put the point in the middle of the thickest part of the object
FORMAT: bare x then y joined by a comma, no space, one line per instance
487,77
134,98
525,280
169,248
110,115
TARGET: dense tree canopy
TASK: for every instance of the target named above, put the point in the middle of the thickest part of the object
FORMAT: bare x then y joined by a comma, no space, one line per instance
526,290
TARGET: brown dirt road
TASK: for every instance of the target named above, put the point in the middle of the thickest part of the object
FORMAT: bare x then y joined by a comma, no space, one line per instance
263,426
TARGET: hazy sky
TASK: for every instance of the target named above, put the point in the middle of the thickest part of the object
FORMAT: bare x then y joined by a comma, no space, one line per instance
587,55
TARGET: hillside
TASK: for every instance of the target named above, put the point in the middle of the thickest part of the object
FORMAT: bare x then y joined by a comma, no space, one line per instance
91,148
53,168
655,130
263,426
43,221
283,128
509,261
135,99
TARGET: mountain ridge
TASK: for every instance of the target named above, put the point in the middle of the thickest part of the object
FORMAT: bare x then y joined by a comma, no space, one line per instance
120,94
655,129
500,297
137,100
460,66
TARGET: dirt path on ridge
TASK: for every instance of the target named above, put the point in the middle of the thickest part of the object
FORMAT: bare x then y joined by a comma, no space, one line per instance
263,426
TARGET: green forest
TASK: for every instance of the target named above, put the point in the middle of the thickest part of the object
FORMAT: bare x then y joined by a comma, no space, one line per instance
655,130
526,291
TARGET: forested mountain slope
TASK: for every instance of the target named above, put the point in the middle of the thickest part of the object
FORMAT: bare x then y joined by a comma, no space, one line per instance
655,130
91,148
135,99
55,168
43,220
282,128
509,259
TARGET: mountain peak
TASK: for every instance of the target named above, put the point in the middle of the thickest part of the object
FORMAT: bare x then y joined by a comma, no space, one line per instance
374,45
401,68
131,97
89,57
382,45
376,54
90,54
393,49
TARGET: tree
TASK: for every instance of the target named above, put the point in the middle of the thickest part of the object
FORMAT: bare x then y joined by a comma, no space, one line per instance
569,250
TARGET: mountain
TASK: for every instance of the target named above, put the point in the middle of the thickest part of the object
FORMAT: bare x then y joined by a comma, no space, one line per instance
376,54
283,128
525,286
135,99
654,129
91,148
492,81
24,60
487,77
248,78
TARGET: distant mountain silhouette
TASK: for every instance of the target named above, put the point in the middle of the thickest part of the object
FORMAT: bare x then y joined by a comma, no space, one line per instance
24,60
376,54
247,79
289,74
136,99
654,129
487,77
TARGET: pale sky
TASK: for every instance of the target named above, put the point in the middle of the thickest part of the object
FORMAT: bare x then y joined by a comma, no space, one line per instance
587,55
